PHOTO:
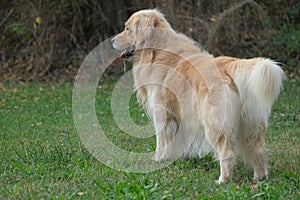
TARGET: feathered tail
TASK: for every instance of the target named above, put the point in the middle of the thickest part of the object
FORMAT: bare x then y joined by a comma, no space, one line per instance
259,82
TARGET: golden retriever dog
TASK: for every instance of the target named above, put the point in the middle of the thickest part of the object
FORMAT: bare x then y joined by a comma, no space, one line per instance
199,103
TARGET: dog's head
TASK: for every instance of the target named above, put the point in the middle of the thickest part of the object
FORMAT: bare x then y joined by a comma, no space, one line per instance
140,32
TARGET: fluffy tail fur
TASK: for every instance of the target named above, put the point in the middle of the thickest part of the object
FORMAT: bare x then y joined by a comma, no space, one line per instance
259,82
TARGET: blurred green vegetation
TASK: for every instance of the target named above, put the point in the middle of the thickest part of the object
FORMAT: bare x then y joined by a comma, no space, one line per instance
53,47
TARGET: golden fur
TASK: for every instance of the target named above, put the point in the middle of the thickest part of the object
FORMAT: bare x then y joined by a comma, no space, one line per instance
199,103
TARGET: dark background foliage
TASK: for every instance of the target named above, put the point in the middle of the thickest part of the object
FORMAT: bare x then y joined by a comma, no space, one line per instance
52,49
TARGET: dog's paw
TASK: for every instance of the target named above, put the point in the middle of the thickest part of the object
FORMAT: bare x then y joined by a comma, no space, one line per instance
260,175
260,178
222,180
157,156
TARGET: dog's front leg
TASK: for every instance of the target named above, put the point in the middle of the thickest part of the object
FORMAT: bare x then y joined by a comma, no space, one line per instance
166,126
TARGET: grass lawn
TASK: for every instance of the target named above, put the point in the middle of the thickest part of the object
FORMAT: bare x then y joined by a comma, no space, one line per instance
42,156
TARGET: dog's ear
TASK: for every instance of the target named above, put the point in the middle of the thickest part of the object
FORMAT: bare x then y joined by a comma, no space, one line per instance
145,22
145,30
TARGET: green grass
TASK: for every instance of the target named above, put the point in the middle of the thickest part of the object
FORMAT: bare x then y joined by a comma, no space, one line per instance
42,157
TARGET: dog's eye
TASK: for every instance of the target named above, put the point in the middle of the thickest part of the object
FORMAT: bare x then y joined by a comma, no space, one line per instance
127,29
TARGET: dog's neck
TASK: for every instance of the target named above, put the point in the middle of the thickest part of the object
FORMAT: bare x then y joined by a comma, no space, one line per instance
161,52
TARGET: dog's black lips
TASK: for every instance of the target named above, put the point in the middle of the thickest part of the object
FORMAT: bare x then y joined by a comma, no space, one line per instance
128,52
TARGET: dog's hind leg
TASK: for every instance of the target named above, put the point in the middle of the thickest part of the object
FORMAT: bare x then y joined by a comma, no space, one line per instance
220,142
226,158
256,154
